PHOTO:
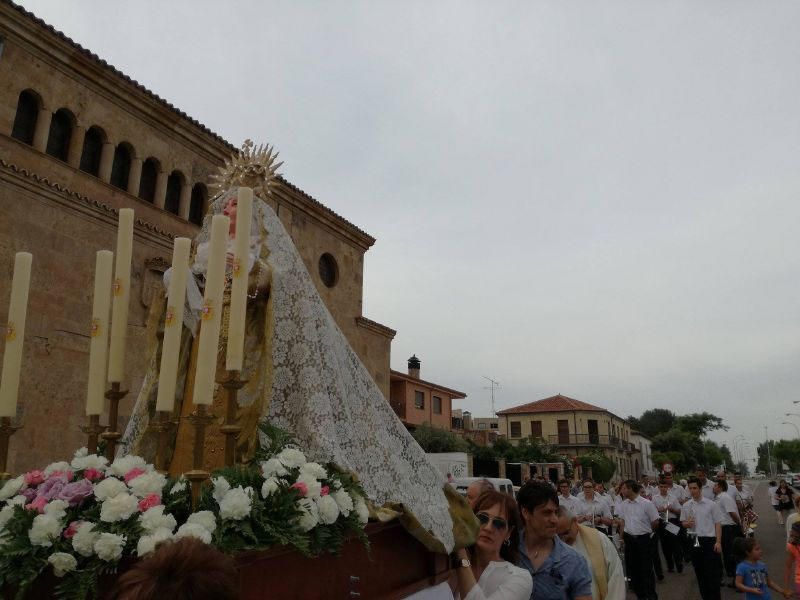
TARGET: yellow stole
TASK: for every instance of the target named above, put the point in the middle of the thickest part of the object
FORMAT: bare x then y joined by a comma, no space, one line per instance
597,560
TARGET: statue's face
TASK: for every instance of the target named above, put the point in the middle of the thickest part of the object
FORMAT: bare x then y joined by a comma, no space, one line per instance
230,211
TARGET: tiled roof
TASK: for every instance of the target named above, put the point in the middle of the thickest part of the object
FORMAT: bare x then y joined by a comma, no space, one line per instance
557,403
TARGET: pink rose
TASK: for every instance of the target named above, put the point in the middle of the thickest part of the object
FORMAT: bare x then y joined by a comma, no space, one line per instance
133,474
93,474
34,477
301,487
38,504
325,490
68,475
149,501
72,529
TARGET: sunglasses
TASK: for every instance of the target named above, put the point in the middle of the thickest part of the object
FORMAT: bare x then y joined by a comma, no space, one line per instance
498,523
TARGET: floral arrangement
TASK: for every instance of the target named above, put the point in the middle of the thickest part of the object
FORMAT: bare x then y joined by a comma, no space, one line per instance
81,518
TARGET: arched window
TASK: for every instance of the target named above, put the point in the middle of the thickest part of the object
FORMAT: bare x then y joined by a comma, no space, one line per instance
92,149
60,131
147,184
197,206
121,167
172,202
27,113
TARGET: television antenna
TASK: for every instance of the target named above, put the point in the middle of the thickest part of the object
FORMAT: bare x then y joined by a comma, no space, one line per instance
494,384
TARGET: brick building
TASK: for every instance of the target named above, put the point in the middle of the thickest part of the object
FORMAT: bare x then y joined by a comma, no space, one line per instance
417,401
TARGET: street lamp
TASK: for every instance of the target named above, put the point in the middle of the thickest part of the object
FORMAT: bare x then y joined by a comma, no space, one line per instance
792,414
796,428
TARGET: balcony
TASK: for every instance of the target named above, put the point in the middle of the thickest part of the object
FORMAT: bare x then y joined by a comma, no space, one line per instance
592,440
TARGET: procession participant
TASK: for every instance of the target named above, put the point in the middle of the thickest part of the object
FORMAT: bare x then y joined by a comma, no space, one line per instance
637,523
608,578
564,496
592,509
740,490
476,488
702,517
772,487
731,528
669,511
558,571
676,490
752,577
785,495
706,485
488,569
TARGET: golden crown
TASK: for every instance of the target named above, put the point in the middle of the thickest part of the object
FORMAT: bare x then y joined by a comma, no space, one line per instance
253,167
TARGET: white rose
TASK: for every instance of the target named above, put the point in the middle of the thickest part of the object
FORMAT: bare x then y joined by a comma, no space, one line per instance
56,509
206,518
89,461
314,486
118,508
179,486
273,468
81,452
221,487
194,530
44,530
361,510
148,483
11,487
84,538
236,504
344,501
123,464
148,543
108,488
309,517
337,485
270,487
56,466
291,458
154,518
18,500
62,563
315,470
109,546
328,510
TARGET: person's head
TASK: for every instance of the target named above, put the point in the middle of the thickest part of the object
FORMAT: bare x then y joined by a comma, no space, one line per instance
588,488
563,487
737,481
720,486
630,489
230,211
538,504
683,483
599,489
567,525
721,474
645,480
499,531
476,488
694,486
773,484
746,549
782,484
186,569
663,487
700,473
668,479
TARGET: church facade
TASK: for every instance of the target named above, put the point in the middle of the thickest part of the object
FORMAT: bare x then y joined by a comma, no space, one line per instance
80,140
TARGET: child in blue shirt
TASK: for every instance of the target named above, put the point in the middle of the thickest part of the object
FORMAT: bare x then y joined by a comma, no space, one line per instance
751,574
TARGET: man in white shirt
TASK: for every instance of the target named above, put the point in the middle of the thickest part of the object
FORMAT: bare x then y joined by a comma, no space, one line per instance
564,496
608,578
702,519
669,511
731,528
741,492
773,499
591,509
676,490
706,485
638,520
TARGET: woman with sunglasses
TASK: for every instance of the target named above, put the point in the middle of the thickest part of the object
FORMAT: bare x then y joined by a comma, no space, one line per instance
487,571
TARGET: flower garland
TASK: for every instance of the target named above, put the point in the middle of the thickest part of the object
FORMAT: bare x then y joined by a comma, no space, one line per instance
82,517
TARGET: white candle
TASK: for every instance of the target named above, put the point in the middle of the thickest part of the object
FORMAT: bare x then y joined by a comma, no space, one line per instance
15,334
173,325
98,332
240,277
211,312
122,294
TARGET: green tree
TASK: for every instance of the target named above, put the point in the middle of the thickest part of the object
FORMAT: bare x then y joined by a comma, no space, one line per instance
699,424
653,421
788,452
603,468
763,465
682,449
434,439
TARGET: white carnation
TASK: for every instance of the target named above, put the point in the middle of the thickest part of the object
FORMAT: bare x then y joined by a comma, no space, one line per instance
56,466
81,452
236,504
315,470
44,530
11,487
148,483
344,501
84,538
108,488
206,518
194,530
309,517
273,468
337,485
123,464
154,518
118,508
62,563
292,458
179,486
56,509
18,500
109,546
5,515
270,487
361,510
148,543
221,487
89,461
314,486
328,510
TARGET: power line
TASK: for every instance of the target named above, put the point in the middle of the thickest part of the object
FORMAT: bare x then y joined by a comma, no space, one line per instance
494,384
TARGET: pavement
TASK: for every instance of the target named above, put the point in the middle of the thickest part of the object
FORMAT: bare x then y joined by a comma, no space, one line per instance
772,537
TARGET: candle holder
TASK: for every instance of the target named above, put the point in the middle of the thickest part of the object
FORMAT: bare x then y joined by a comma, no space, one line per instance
200,419
162,426
93,430
6,431
111,436
230,428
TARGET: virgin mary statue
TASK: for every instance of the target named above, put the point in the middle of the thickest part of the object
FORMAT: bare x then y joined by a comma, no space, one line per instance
301,373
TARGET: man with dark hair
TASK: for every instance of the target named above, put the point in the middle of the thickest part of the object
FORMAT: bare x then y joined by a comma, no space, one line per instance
638,520
558,571
706,486
669,510
731,528
701,517
564,497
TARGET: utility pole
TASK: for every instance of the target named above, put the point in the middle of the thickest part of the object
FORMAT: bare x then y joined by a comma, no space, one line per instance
494,384
769,458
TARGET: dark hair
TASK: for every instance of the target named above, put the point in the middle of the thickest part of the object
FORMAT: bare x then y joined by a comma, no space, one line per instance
510,551
563,482
631,484
589,479
693,480
723,484
536,493
186,569
772,482
662,480
743,546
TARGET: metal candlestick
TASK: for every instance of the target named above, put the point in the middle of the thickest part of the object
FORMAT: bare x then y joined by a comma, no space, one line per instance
200,419
111,436
6,431
93,430
162,426
230,427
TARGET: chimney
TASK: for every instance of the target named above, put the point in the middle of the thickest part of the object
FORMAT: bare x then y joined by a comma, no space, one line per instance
413,367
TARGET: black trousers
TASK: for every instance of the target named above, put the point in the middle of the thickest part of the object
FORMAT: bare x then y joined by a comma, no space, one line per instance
670,547
639,553
729,533
707,568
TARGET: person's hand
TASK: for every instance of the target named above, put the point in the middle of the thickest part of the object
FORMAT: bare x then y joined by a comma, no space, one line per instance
717,547
462,553
787,594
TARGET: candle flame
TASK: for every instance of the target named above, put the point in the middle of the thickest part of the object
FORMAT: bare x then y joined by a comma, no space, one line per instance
11,332
94,330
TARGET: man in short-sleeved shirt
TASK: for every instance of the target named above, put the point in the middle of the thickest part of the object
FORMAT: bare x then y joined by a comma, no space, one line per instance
702,518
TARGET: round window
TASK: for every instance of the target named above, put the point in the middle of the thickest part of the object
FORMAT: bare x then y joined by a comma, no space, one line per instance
328,270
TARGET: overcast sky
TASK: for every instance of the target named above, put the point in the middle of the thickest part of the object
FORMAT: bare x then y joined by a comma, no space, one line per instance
596,199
